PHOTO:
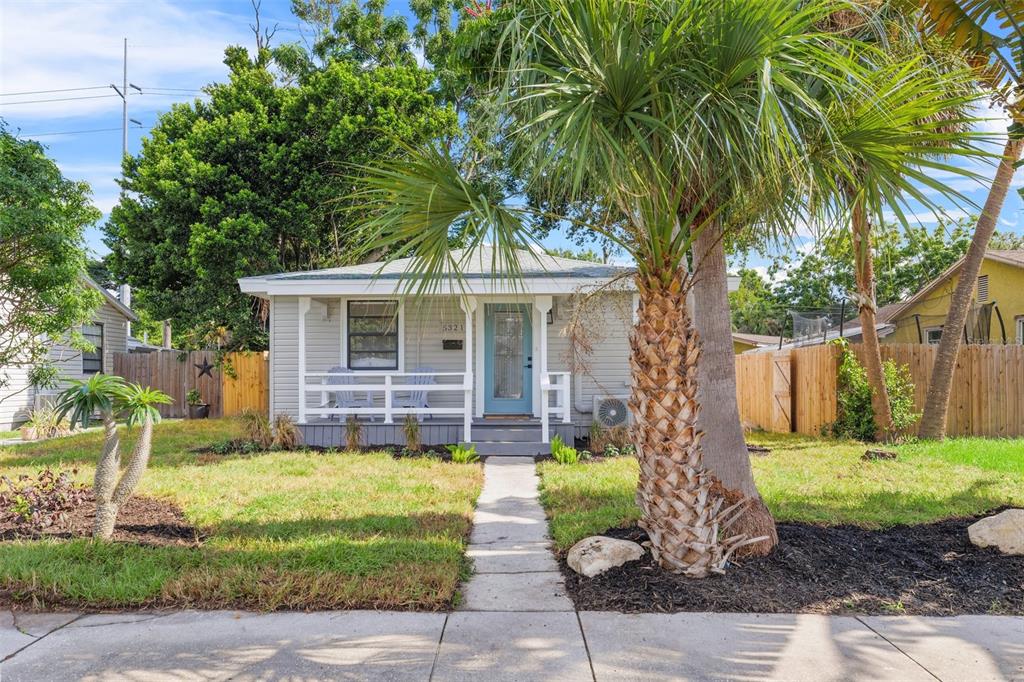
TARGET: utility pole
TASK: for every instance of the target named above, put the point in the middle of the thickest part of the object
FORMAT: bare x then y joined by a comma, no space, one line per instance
123,92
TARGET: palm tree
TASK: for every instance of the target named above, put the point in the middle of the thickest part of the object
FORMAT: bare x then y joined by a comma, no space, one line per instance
964,22
692,117
110,396
884,153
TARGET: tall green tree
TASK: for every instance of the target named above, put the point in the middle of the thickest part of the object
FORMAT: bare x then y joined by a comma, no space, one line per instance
253,181
991,33
43,217
692,119
753,305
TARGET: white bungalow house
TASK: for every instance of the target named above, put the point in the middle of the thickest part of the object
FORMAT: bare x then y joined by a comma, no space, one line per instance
108,331
488,361
485,362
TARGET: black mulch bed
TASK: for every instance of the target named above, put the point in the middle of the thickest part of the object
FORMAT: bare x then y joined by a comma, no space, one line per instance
930,569
142,520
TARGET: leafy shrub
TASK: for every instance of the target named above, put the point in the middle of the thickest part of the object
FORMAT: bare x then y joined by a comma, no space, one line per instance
286,433
256,427
562,453
601,439
193,397
411,429
462,454
353,433
235,446
42,501
855,416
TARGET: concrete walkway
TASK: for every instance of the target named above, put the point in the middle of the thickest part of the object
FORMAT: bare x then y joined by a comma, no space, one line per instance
475,645
515,623
514,569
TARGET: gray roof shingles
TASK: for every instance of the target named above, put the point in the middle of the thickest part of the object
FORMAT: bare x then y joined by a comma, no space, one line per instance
478,264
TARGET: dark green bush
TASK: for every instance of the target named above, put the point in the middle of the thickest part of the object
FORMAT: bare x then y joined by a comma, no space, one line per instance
855,416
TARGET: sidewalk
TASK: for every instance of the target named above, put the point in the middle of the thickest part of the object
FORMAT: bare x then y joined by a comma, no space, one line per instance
364,645
515,623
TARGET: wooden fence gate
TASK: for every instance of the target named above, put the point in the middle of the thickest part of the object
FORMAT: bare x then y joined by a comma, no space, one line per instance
238,382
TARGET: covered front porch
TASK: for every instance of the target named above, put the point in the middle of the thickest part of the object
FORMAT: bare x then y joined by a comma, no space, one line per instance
469,368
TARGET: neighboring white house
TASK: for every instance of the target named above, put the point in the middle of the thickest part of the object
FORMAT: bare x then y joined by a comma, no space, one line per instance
108,331
486,361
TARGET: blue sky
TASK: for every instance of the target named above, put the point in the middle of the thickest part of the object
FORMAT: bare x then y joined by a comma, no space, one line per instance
174,48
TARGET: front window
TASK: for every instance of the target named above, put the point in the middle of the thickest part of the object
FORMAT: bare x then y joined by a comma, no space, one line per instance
373,334
1020,328
92,360
933,335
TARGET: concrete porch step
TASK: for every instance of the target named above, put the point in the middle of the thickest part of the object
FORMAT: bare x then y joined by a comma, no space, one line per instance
498,434
511,448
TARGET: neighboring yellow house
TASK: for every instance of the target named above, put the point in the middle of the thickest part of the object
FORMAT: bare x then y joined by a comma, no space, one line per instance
998,304
742,342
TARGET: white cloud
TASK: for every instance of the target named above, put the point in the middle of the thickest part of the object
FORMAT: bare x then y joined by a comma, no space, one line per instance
46,46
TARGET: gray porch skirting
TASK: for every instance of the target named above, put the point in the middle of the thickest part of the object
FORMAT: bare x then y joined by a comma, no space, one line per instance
332,434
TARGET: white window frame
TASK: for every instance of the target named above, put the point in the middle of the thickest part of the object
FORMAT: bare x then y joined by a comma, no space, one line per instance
399,331
1018,322
927,338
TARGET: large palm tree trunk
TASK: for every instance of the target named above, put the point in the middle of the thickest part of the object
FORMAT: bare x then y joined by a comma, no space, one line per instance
933,420
682,506
105,479
725,448
865,276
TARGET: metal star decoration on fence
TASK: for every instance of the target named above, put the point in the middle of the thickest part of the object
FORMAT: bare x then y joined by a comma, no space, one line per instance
205,368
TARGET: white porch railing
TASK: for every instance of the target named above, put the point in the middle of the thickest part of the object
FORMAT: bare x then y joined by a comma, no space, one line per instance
556,383
381,394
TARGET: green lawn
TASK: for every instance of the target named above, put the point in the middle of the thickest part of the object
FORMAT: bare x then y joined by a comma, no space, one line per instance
813,480
296,530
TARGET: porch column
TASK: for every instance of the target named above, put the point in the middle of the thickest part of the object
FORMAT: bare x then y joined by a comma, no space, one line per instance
468,305
543,305
303,309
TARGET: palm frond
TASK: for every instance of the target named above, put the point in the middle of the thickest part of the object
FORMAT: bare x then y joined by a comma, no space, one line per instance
964,21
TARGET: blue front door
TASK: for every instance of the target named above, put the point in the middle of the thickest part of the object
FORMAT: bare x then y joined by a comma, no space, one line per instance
508,359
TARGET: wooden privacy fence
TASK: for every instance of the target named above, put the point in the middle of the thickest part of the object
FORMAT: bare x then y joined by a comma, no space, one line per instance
986,397
239,383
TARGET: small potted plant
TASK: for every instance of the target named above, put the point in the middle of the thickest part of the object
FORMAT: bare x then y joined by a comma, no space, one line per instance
28,430
197,409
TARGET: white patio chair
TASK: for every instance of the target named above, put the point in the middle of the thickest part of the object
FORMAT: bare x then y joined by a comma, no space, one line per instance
422,376
340,376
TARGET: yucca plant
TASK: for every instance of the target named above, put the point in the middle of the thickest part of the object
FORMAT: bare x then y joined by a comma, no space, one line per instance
110,396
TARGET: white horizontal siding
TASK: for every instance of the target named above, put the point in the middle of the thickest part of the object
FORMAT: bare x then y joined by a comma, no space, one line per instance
18,398
424,333
284,356
14,409
424,321
606,321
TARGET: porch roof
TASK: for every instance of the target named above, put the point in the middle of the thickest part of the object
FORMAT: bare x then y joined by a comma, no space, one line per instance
480,269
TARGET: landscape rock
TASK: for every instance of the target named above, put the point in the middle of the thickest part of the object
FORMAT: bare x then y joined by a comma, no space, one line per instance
598,553
1004,531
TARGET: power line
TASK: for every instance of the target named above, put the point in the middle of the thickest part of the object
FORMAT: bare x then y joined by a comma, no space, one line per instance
150,88
58,99
75,132
46,92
